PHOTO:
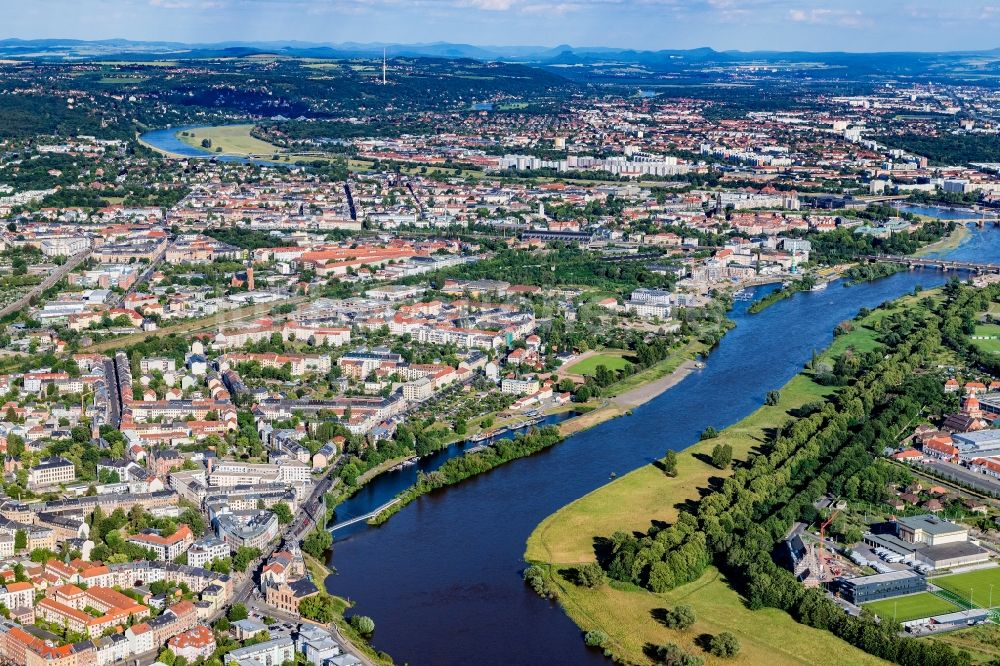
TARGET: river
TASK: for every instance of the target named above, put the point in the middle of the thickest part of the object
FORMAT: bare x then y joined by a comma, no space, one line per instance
442,578
166,140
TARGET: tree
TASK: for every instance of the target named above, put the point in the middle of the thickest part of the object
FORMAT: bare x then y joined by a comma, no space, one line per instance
167,657
283,512
20,540
724,645
364,624
773,397
244,556
722,455
237,612
317,543
595,638
590,575
670,463
674,655
709,433
681,617
319,608
582,394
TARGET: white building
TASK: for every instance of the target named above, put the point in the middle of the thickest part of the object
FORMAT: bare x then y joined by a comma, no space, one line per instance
203,551
269,653
519,386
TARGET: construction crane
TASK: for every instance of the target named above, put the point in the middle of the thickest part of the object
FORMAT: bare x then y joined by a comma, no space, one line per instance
822,541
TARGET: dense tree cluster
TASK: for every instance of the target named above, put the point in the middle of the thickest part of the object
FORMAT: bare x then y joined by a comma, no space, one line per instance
830,451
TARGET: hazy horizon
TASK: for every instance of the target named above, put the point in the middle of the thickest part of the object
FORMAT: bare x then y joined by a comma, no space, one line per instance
747,25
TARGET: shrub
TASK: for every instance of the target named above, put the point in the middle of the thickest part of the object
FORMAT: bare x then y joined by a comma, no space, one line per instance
724,645
595,638
674,655
590,575
364,624
681,617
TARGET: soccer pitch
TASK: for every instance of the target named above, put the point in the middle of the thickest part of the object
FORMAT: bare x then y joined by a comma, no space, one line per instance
911,607
977,583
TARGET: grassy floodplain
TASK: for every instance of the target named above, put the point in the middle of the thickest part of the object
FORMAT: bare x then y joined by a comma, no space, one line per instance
627,614
233,139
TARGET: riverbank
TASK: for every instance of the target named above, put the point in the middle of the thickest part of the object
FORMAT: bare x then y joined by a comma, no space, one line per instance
671,373
627,615
950,242
625,395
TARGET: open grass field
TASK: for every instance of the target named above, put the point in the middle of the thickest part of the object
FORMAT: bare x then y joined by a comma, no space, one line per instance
612,360
982,642
632,502
975,582
766,636
233,139
636,499
911,607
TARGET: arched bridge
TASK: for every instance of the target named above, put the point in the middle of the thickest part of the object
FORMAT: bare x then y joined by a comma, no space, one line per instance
940,264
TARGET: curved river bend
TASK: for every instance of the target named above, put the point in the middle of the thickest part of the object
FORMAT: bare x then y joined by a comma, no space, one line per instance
442,578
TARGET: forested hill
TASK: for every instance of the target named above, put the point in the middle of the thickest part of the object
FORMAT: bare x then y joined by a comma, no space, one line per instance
109,99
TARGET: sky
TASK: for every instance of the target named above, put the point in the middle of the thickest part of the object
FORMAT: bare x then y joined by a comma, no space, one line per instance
811,25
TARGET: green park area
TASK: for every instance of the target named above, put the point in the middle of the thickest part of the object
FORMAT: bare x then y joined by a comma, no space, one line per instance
911,607
232,139
975,585
613,360
632,502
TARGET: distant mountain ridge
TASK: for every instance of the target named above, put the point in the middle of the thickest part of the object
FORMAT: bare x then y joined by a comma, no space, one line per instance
561,55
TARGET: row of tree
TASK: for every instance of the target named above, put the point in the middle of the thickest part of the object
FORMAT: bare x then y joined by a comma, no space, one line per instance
830,451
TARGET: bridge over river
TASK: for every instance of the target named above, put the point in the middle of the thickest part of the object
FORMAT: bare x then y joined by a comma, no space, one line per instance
940,264
367,516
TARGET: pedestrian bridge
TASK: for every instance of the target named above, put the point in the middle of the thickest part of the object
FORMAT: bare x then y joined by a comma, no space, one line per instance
368,516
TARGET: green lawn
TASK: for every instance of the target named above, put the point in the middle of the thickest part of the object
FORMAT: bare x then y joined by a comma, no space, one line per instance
911,607
611,360
987,346
978,582
233,139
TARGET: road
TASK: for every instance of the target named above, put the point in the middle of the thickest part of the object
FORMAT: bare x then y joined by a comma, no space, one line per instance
146,274
59,273
982,482
294,531
281,616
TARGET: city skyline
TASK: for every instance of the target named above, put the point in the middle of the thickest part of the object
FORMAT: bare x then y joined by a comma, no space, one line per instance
749,25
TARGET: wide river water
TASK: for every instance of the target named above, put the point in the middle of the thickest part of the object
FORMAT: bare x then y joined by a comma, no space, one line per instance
442,578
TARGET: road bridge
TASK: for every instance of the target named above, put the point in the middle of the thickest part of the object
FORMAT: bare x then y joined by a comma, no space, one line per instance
940,264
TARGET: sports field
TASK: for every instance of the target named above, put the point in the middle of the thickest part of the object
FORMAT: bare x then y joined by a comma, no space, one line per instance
588,366
991,346
911,607
977,583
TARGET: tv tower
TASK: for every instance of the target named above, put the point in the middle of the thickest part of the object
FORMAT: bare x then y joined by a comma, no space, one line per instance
383,67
